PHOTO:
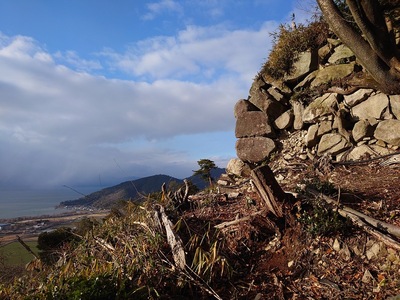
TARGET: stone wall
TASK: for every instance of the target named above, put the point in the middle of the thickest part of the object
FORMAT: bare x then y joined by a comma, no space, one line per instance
345,123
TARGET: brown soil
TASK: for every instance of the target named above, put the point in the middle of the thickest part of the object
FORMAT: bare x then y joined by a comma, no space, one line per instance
280,259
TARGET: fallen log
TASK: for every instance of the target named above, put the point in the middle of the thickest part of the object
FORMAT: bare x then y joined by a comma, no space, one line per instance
173,239
367,223
380,225
237,221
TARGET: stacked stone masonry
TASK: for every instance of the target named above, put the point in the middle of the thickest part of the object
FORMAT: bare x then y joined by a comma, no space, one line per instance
344,124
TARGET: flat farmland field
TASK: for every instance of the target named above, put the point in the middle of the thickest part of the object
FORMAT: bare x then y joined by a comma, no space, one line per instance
14,254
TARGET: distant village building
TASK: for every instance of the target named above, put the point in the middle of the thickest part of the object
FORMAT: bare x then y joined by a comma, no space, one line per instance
4,226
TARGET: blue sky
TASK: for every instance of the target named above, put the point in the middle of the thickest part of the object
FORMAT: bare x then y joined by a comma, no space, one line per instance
95,89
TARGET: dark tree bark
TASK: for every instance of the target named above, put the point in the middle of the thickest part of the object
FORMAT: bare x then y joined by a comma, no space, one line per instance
375,48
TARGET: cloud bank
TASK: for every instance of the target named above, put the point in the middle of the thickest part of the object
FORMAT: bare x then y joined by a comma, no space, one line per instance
63,123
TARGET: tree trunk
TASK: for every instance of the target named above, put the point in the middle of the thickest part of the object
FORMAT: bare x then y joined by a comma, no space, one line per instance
382,64
269,189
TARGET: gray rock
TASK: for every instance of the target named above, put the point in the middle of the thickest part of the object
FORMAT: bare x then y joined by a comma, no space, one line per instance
279,84
325,76
321,106
389,132
266,103
253,123
260,97
395,105
306,82
332,143
367,277
255,149
336,245
373,121
238,168
341,55
243,106
222,182
277,95
360,152
311,137
331,73
285,120
258,85
334,42
298,110
357,97
373,107
233,195
324,127
380,150
361,130
387,115
306,63
373,251
324,52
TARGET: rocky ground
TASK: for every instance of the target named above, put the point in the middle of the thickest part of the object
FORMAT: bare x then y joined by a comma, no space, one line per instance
275,259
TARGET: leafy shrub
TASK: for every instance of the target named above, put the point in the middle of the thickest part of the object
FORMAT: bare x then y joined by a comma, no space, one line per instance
321,220
50,243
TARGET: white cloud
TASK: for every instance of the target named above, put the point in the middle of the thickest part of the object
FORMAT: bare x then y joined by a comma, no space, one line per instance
59,125
72,58
54,122
198,51
157,8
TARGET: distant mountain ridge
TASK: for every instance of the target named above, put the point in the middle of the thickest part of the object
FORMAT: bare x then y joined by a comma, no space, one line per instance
134,190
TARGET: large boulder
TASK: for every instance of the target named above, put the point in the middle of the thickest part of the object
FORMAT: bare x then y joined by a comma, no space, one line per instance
395,105
360,152
332,73
253,123
373,107
341,55
285,120
254,149
321,106
238,168
332,143
361,130
298,110
243,106
324,52
357,97
266,103
325,76
306,62
389,132
311,138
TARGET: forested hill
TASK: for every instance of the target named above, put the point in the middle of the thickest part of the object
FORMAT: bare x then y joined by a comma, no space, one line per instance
134,190
128,190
